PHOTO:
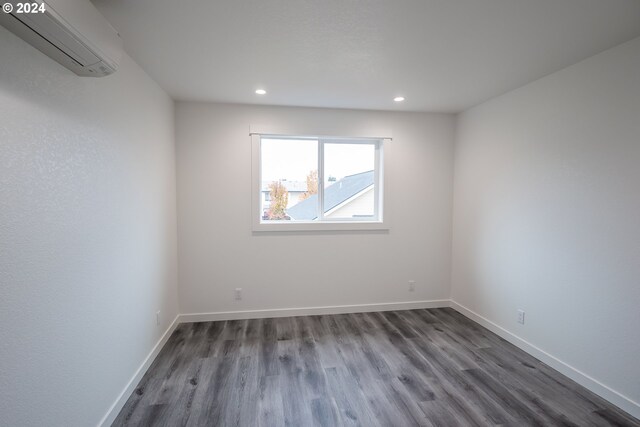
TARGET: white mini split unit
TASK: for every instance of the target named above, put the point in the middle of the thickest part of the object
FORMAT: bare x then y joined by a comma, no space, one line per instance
72,32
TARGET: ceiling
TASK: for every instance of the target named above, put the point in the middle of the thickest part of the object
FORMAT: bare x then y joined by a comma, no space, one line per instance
442,55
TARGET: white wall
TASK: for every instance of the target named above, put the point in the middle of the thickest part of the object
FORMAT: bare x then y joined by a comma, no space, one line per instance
547,216
362,203
218,252
87,235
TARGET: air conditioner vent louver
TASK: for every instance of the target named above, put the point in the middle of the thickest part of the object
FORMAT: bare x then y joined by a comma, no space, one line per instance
72,32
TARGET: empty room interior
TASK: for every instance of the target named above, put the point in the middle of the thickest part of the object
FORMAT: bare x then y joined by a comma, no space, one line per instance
320,213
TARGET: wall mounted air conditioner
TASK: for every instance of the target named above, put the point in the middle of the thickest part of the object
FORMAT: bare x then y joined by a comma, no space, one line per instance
72,32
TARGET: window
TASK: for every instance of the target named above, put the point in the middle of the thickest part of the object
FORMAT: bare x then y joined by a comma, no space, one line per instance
306,181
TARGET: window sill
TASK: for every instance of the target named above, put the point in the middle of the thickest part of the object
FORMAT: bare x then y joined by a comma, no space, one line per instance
321,226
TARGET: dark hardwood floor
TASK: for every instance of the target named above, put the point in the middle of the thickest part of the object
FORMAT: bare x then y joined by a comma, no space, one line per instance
403,368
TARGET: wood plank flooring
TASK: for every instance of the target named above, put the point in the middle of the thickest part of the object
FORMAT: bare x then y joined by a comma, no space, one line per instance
400,368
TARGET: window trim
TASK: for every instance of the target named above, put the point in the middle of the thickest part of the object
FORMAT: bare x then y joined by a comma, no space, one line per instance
380,181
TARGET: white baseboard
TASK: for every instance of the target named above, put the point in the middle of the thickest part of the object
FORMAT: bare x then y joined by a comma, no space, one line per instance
309,311
607,393
114,410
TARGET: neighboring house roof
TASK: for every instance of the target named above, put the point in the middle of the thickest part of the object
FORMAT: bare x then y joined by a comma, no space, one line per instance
291,186
334,195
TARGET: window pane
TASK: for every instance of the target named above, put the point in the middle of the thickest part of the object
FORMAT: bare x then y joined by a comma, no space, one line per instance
288,189
349,181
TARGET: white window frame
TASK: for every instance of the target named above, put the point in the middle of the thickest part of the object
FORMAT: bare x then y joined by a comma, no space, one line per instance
381,212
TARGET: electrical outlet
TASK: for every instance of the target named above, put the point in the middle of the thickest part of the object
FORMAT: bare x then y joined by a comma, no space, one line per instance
521,317
238,293
158,318
412,285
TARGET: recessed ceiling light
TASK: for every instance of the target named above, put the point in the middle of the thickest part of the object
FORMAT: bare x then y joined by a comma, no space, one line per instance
399,98
261,91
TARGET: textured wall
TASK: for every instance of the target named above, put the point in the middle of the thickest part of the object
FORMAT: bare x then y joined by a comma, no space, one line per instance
218,252
87,234
547,216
